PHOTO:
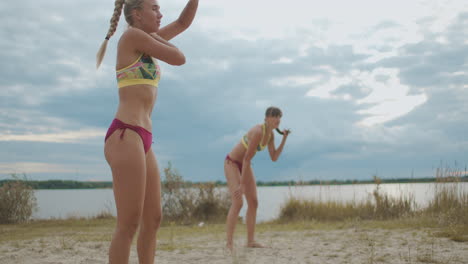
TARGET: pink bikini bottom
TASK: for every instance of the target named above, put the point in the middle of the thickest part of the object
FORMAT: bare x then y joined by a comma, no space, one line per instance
145,135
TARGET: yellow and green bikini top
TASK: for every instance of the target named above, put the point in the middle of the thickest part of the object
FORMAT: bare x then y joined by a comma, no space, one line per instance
144,70
245,140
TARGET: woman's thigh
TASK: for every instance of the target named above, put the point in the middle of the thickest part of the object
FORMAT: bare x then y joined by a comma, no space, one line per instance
250,186
232,173
152,204
126,158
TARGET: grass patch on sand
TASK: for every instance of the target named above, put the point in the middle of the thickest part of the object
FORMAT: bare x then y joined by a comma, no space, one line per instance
100,230
92,229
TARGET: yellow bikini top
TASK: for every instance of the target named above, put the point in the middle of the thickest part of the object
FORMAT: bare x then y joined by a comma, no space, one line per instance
144,70
245,140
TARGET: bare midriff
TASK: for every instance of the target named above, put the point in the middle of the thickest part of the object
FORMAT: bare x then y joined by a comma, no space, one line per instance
238,152
136,103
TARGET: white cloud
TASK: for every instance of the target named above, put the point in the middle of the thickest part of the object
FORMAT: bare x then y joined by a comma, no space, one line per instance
230,138
61,137
241,18
389,98
56,18
34,126
459,73
86,76
34,167
325,90
283,60
377,56
295,80
214,64
384,84
391,109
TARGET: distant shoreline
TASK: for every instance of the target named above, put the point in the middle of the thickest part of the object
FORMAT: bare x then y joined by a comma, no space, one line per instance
69,184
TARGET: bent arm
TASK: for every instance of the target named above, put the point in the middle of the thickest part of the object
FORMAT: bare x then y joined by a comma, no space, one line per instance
156,47
182,23
275,153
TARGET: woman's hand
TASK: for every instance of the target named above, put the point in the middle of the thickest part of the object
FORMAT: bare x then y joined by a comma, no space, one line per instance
239,191
286,132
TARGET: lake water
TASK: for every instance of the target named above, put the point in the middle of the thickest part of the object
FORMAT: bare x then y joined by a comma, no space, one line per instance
89,202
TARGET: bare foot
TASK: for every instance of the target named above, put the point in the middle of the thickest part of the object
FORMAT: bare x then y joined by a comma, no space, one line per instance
230,247
255,245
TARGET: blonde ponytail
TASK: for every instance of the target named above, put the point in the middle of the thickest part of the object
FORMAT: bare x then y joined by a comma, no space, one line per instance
113,27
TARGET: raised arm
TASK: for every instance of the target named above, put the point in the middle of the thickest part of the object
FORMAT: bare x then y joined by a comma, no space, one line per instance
275,153
182,23
154,46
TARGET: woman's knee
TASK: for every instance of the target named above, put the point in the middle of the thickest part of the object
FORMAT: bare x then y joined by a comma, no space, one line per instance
252,203
158,219
237,204
128,227
129,221
153,222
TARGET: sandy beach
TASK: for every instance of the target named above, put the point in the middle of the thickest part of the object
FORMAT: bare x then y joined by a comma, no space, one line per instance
349,244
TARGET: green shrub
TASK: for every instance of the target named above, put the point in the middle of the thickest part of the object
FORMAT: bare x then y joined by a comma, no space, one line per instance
211,204
185,203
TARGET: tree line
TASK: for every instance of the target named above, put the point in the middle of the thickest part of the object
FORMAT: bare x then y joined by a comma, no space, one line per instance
70,184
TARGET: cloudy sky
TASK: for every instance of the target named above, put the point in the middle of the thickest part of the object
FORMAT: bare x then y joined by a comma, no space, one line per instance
367,87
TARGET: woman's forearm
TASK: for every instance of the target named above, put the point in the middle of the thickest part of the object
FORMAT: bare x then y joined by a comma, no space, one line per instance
279,149
163,41
245,167
188,14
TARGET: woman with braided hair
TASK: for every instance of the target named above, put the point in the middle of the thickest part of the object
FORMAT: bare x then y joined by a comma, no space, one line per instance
135,173
239,174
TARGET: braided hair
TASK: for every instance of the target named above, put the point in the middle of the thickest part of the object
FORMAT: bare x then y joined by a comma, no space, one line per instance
128,6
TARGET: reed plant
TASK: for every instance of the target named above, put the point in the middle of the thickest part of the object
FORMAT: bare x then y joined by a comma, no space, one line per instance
450,200
449,206
17,200
379,206
447,209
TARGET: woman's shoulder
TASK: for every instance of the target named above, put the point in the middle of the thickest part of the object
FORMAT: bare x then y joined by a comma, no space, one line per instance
132,34
256,130
130,38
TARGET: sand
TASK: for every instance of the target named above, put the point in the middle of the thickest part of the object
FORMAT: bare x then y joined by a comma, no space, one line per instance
349,245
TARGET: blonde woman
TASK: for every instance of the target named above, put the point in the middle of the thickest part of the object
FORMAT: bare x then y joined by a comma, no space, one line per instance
135,172
239,174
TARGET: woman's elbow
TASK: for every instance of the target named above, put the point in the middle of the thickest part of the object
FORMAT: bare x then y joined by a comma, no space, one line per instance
178,60
274,159
183,24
